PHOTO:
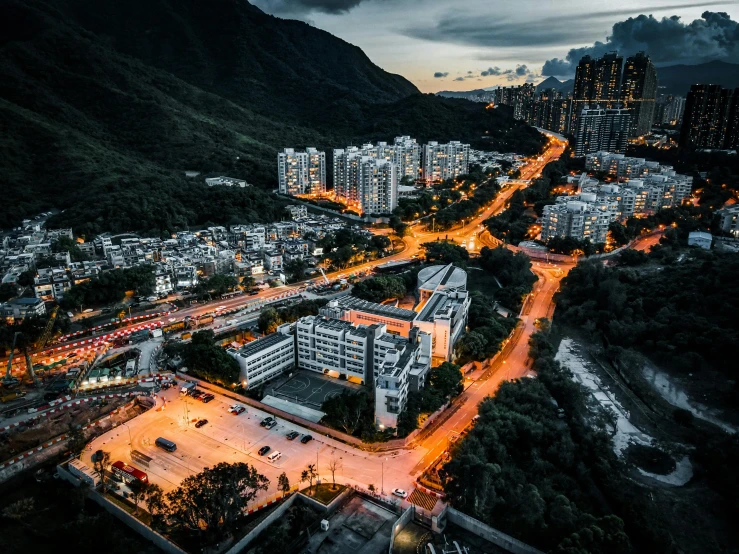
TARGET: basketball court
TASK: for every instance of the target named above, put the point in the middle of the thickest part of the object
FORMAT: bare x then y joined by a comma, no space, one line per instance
311,389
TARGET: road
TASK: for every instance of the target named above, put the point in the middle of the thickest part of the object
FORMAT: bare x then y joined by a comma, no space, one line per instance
236,438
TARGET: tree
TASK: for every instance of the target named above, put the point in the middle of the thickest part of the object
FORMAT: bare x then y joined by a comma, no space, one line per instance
379,289
211,502
207,360
100,462
333,466
308,475
371,488
283,483
397,225
8,291
446,379
269,321
138,493
155,501
445,252
295,269
347,411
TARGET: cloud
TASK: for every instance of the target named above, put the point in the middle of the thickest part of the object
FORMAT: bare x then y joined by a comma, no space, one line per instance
440,75
511,74
459,79
302,7
668,41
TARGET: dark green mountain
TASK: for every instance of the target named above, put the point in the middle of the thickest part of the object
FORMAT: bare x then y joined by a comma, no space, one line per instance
105,104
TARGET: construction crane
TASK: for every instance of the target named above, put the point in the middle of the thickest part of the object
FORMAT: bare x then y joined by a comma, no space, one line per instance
9,380
46,335
324,276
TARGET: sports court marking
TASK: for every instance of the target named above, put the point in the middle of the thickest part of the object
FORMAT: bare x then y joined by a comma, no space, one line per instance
307,389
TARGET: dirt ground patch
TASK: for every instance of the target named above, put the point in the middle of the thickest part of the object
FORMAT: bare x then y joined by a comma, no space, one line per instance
650,459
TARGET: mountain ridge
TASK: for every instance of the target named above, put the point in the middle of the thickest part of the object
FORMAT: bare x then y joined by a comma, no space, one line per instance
107,137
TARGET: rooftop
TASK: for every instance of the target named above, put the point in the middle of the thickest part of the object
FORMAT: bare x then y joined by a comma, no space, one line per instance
260,344
353,303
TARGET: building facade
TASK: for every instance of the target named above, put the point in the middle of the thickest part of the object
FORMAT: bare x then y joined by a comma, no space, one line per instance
602,129
265,358
445,161
639,92
301,172
711,118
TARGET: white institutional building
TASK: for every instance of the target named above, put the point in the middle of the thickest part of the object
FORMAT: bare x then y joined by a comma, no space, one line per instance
301,172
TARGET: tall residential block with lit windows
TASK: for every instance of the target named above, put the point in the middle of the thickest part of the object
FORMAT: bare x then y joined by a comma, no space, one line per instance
445,161
301,172
366,178
711,118
602,129
583,219
407,156
639,92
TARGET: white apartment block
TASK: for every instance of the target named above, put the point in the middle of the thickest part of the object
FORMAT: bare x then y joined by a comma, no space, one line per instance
619,165
445,161
729,220
265,358
407,157
226,182
378,186
578,219
301,172
366,178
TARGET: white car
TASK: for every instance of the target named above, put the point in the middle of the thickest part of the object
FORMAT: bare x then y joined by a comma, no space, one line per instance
236,409
400,492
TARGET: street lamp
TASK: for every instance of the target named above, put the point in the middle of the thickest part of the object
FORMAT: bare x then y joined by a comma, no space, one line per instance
382,480
130,440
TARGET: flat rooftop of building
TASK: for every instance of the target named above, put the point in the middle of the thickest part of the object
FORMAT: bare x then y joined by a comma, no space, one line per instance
260,344
354,303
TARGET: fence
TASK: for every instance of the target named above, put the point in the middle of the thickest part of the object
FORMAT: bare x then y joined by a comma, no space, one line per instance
490,534
403,520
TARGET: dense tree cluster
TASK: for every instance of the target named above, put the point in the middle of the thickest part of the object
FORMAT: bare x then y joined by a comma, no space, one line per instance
512,271
110,287
532,475
205,359
445,252
216,285
687,320
271,318
380,288
486,330
443,383
347,248
512,225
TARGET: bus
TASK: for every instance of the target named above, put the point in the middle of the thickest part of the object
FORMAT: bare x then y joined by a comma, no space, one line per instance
128,473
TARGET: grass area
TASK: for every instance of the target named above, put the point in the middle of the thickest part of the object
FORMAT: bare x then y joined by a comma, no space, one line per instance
324,493
142,515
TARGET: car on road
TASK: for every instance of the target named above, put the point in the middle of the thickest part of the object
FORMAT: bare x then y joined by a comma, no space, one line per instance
292,436
207,398
236,409
262,451
200,423
253,292
306,439
400,493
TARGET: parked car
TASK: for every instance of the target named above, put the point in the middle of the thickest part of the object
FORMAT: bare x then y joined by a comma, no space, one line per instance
207,398
262,451
293,435
271,424
200,423
400,492
266,421
236,409
306,439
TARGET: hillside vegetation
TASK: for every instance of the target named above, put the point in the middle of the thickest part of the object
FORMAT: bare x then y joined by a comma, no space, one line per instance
104,105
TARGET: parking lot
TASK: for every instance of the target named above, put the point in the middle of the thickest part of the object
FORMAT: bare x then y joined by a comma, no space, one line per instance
237,438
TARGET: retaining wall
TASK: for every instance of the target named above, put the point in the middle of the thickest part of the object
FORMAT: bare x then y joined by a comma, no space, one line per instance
266,522
488,533
399,525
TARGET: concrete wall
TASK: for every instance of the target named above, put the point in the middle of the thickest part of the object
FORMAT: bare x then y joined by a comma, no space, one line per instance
266,522
488,533
399,525
118,512
330,507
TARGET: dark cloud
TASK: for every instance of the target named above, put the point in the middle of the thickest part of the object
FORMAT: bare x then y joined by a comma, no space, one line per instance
500,31
459,79
511,74
440,75
668,41
300,7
